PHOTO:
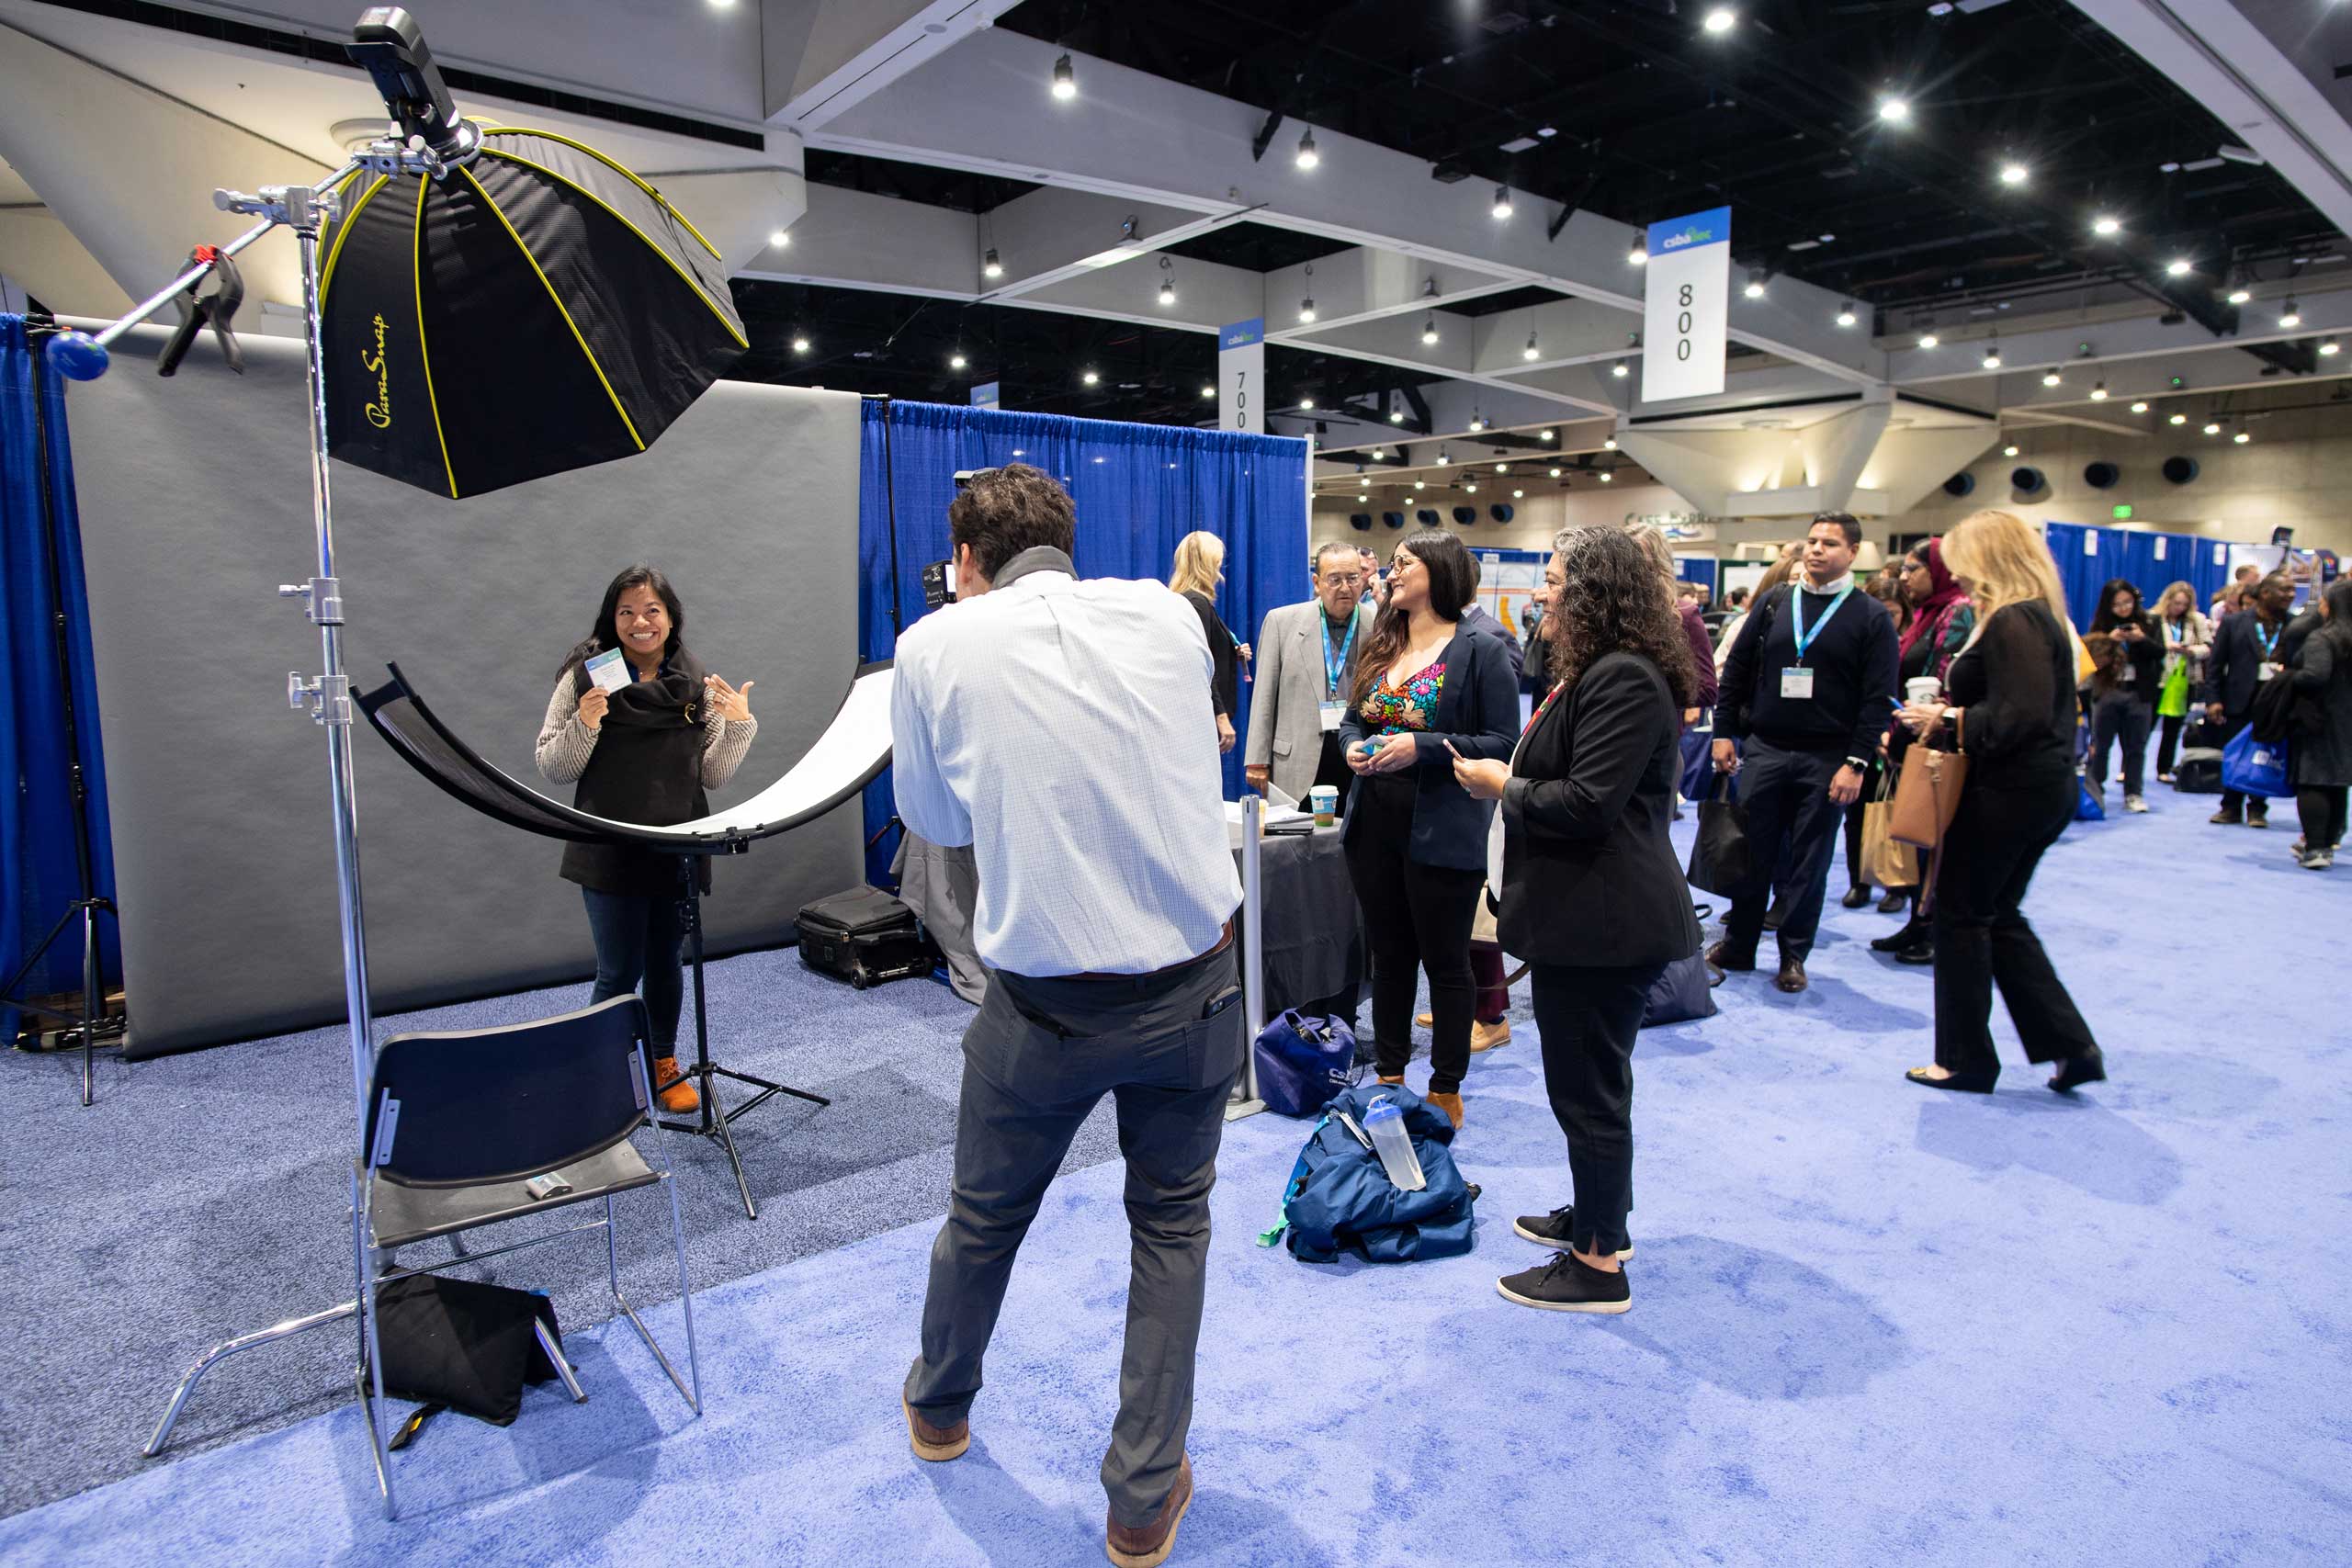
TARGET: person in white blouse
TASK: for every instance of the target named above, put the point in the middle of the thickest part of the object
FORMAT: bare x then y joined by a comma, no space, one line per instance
1062,728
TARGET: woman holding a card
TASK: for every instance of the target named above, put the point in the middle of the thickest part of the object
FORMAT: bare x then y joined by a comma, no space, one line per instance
646,731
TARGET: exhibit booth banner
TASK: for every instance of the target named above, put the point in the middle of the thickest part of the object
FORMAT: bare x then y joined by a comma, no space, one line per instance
1137,489
195,505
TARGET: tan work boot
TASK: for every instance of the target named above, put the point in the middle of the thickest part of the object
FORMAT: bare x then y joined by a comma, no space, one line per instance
679,1096
1487,1036
1426,1019
937,1444
1148,1546
1448,1103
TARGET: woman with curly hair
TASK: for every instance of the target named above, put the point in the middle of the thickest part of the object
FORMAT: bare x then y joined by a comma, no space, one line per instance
1592,896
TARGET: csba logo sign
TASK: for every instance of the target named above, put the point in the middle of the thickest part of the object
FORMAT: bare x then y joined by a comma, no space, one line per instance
1691,235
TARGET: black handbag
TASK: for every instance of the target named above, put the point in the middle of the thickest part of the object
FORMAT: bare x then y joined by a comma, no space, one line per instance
1721,860
1682,993
463,1344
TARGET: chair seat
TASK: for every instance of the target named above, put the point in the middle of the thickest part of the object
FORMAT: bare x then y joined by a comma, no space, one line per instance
405,1213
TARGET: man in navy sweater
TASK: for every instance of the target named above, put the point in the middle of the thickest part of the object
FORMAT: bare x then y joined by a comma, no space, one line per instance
1805,697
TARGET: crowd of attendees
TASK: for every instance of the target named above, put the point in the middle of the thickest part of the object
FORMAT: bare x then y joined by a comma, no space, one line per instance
1471,835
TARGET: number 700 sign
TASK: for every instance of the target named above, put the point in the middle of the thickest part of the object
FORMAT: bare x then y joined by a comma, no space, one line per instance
1686,301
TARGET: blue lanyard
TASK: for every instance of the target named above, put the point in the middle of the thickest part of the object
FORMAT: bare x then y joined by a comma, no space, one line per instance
2270,643
1796,618
1332,671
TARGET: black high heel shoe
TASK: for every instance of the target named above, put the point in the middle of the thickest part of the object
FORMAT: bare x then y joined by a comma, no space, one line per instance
2076,1071
1959,1083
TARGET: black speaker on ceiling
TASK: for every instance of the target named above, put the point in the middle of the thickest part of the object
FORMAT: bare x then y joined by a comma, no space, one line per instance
1393,519
1427,518
1464,516
2101,476
1360,520
1502,512
2027,481
1961,483
2179,470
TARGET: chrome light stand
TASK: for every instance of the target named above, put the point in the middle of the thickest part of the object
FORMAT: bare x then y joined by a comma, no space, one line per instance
326,697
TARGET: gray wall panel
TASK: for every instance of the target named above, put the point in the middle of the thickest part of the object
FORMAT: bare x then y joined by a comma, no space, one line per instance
195,500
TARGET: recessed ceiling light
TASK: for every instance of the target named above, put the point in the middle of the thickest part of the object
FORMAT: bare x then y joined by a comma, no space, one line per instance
1722,20
1089,377
2015,174
1211,392
956,361
1894,110
799,343
2104,226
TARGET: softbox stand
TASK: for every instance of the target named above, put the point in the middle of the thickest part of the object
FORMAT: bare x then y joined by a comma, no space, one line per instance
327,698
85,909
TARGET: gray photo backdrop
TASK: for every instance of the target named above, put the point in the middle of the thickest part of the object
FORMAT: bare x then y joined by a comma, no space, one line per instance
196,504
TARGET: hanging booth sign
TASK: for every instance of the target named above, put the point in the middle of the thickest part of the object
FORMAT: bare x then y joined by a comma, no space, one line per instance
1686,305
984,394
1241,376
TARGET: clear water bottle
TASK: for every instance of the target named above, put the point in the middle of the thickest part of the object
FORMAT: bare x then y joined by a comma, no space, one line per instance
1385,1125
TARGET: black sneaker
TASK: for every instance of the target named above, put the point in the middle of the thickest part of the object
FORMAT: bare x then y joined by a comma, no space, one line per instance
1565,1284
1556,1229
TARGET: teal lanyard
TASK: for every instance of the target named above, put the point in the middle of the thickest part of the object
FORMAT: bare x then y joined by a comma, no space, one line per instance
1796,618
1333,670
2270,643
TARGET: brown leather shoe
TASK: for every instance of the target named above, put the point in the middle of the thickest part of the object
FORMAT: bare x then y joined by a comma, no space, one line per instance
937,1444
1487,1036
1148,1546
1791,975
1426,1019
1448,1103
1715,955
680,1096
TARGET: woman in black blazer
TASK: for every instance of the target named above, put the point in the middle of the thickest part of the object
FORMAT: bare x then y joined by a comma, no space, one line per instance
1426,691
1592,896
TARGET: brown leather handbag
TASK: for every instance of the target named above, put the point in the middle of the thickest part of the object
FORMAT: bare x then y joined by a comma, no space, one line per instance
1926,793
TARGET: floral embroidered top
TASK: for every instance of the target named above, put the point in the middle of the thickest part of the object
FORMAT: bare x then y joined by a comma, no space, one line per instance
1390,710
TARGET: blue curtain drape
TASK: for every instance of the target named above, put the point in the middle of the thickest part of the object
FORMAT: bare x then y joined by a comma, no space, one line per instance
1138,489
2131,554
37,875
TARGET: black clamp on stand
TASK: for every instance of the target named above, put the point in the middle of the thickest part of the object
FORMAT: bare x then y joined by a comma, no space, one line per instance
712,1121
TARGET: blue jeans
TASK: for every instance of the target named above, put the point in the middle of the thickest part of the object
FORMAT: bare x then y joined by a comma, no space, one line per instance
637,948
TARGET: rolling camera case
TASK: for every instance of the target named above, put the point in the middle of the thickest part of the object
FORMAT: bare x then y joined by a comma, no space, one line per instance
864,936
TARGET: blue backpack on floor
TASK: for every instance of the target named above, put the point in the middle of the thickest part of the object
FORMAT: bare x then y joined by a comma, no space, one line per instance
1339,1199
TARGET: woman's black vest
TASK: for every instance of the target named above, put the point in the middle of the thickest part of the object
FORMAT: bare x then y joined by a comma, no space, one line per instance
647,768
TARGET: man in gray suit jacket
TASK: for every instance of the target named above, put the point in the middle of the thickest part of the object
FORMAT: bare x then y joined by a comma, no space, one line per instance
1306,666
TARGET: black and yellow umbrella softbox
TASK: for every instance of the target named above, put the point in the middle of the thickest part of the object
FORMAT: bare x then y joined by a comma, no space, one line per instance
537,308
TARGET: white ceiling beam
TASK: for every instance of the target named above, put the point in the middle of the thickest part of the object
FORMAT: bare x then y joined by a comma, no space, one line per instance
1052,235
822,58
1207,296
848,239
987,108
1365,284
2144,337
1567,331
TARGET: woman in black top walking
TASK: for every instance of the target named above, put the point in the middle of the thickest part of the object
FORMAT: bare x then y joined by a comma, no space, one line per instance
644,751
2012,714
1427,690
2320,750
2127,710
1592,895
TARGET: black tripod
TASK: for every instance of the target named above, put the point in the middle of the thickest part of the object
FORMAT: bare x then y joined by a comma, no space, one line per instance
702,1073
86,908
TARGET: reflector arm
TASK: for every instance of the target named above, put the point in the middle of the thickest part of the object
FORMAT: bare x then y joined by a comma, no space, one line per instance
545,282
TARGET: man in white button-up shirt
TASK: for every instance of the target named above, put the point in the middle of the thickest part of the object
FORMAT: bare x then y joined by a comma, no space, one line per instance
1062,728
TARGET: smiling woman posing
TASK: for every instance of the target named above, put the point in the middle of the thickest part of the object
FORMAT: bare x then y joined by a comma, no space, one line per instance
644,751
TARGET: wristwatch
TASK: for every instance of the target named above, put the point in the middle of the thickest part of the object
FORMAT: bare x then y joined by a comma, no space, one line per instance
1860,764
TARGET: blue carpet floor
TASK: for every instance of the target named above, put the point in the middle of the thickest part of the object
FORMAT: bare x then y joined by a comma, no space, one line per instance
1870,1324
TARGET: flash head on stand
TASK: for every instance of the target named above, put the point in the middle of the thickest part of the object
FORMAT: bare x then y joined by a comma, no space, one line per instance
388,42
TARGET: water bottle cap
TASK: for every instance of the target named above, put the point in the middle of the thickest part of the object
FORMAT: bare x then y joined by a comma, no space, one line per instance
1383,1108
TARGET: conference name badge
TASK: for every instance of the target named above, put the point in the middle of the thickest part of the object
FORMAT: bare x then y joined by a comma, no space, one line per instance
1796,684
2266,671
1333,713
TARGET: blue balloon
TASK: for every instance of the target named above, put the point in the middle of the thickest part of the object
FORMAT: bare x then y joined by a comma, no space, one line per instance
77,356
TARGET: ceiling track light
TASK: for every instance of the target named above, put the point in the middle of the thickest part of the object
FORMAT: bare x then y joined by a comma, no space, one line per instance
1619,371
2178,418
2106,227
1531,351
1306,306
2180,266
1638,256
1720,19
1893,111
1992,360
2140,408
778,239
2241,295
2009,451
1755,289
1065,79
2242,438
1609,444
2212,427
956,361
2290,318
1307,156
801,342
1502,203
1443,457
1846,316
2052,379
1928,340
1167,281
2015,174
1429,330
1547,436
2327,347
989,265
1091,377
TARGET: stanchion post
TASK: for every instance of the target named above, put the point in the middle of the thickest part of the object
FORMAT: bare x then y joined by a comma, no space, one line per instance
1245,1101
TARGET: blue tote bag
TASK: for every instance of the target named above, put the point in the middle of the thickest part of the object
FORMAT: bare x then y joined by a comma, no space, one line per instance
1303,1061
2255,767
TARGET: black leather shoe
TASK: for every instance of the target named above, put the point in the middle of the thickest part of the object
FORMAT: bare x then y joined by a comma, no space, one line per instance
1791,975
2076,1071
1856,897
1913,933
1922,952
1959,1083
1715,955
1895,900
1772,917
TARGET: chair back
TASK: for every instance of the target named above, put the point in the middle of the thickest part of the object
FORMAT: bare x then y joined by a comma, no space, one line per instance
456,1107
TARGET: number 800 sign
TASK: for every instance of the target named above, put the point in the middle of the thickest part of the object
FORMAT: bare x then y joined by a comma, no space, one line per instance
1686,301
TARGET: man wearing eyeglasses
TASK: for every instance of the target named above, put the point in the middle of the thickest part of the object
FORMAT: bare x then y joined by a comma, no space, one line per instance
1307,663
